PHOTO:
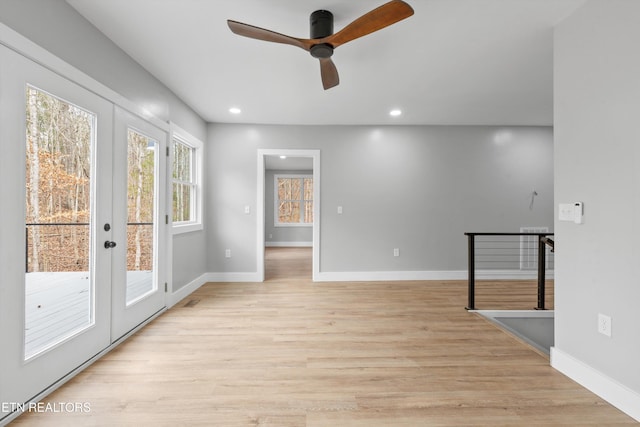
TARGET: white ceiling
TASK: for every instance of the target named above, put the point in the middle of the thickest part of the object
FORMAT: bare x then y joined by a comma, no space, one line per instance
453,62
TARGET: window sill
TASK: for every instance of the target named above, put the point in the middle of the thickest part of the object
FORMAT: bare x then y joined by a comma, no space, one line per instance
186,228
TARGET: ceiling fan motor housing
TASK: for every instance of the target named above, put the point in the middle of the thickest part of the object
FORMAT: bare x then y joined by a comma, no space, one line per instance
321,22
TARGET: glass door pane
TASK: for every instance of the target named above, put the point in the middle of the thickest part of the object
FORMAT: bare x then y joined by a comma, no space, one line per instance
56,185
59,297
141,202
139,197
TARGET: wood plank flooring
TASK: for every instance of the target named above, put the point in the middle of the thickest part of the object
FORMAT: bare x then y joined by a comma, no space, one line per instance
290,352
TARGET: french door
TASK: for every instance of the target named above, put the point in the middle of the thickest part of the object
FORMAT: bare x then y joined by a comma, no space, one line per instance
137,271
80,185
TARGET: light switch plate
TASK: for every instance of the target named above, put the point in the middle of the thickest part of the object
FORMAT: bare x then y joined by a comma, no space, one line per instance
566,212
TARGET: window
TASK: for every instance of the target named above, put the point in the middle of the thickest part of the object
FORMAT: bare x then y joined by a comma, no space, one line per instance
186,177
293,200
184,186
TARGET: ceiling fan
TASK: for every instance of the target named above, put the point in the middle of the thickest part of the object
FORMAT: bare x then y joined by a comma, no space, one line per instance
323,40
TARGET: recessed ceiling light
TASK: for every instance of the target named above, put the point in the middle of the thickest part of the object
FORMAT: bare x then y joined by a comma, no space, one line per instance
235,110
395,113
283,157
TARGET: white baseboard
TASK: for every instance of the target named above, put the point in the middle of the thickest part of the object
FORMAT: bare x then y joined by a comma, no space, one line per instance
184,291
233,277
345,276
620,396
352,276
511,274
372,276
192,286
288,244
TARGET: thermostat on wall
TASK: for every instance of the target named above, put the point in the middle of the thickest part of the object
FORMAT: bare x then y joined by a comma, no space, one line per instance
573,212
578,212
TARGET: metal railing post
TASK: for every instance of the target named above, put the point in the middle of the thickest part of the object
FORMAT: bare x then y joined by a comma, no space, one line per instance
541,271
472,273
26,249
60,224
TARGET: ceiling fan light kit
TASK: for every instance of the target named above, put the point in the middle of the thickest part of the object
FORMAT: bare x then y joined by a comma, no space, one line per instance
323,40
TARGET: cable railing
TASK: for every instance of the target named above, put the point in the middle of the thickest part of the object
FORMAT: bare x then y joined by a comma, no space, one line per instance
511,256
64,251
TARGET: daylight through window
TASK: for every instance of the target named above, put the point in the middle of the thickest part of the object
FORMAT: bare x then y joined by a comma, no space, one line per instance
294,200
184,185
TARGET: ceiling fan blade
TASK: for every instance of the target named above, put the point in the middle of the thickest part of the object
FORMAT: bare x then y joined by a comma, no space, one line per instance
329,73
250,31
379,18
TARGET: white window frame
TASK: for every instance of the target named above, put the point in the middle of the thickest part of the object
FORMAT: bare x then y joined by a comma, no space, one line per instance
276,200
185,138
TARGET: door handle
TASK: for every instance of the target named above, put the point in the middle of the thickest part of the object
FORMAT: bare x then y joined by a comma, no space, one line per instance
109,245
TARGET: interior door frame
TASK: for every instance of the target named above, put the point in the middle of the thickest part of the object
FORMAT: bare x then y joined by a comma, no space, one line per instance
260,205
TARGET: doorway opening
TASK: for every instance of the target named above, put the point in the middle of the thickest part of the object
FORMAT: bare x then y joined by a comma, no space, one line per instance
288,206
289,263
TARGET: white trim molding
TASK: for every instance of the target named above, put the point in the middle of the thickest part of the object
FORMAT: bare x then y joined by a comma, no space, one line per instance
620,396
22,45
260,208
288,244
197,180
339,276
373,276
233,277
177,296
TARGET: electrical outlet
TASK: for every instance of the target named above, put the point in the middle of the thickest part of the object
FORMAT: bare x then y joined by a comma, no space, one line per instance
604,324
396,252
227,253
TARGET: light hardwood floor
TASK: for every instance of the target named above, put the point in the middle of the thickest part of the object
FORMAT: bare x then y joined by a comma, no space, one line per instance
290,352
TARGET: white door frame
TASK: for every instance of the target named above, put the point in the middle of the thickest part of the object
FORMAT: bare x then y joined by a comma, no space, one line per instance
260,205
125,317
21,379
13,221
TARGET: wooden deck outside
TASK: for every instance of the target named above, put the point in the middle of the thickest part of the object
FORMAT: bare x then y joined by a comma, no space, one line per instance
57,305
290,352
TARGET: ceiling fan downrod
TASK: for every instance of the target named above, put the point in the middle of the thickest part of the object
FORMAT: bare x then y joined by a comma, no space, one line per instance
321,26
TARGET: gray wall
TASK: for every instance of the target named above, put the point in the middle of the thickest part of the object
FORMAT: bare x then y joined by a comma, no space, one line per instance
416,188
597,161
292,235
57,27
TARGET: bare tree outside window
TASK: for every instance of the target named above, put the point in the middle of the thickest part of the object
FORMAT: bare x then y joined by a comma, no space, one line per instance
294,203
141,201
58,188
58,175
183,182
